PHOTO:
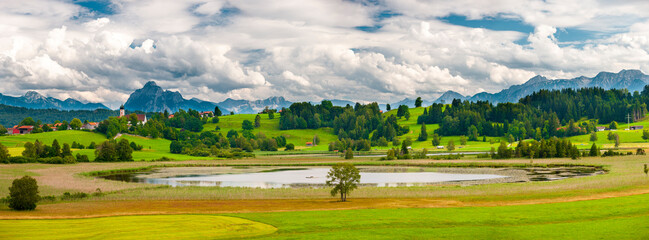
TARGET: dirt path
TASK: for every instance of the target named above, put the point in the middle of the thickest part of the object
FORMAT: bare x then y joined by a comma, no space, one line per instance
87,209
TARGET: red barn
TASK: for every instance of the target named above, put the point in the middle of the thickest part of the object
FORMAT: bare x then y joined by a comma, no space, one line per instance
23,129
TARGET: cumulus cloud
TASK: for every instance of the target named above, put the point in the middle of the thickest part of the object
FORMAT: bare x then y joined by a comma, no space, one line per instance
308,49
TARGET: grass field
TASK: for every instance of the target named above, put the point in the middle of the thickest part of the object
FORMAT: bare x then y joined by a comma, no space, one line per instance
612,205
156,149
614,218
153,148
136,227
270,127
68,137
610,218
629,138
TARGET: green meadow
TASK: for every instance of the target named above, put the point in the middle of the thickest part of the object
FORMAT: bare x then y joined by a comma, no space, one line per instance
270,128
152,148
619,218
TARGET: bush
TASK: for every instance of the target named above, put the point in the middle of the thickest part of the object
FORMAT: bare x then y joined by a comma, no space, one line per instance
82,158
57,160
349,154
611,153
176,147
48,199
290,147
77,195
21,159
136,147
639,151
23,194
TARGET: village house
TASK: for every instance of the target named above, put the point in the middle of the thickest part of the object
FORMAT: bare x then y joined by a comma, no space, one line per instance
309,144
57,125
599,129
207,114
638,127
89,125
22,129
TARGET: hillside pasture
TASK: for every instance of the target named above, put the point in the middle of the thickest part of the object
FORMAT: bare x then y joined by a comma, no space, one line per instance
270,128
152,148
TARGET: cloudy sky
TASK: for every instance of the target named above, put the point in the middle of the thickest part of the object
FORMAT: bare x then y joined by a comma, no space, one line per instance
361,50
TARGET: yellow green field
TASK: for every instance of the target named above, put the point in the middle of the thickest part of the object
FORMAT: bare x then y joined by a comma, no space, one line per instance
136,227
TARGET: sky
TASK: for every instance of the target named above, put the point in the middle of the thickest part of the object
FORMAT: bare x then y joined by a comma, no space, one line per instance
309,50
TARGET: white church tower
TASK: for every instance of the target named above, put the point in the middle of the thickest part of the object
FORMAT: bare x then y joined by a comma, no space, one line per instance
122,112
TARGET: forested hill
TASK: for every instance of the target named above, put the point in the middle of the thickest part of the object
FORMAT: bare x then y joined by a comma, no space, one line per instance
10,116
541,115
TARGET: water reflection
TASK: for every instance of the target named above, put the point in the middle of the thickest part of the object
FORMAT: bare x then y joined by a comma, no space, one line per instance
305,177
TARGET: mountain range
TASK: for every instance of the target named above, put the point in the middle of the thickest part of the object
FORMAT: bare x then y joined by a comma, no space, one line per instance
35,100
152,98
632,80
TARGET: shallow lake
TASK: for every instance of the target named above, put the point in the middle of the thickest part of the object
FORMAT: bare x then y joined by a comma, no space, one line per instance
260,177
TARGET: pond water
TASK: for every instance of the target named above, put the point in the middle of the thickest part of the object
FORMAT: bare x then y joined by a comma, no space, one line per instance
260,177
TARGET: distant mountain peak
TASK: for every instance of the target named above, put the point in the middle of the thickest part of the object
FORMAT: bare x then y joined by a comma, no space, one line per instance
448,97
535,79
150,84
33,95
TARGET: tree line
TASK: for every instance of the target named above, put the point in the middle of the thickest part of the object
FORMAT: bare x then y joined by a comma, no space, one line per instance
358,122
541,115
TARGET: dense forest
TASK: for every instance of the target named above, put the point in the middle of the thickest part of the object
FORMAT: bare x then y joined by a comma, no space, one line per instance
541,115
355,123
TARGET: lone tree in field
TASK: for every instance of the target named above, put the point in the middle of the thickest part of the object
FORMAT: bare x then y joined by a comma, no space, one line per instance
436,139
473,133
23,194
401,111
423,135
257,121
349,154
462,140
646,170
594,151
593,137
418,102
247,125
4,154
451,145
344,177
217,111
645,134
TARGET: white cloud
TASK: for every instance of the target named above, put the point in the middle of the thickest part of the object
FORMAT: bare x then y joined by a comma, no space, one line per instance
307,49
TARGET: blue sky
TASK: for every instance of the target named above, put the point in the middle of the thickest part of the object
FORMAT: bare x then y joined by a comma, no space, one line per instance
564,36
308,50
